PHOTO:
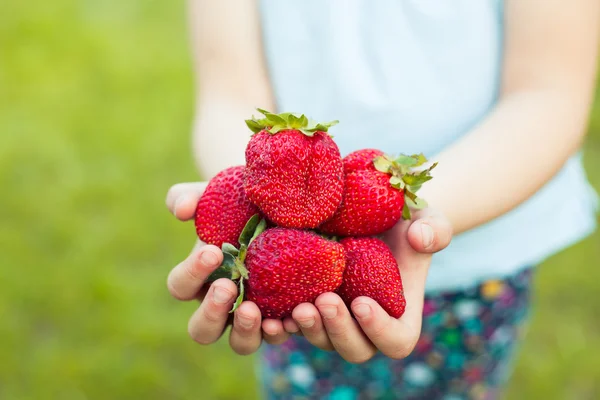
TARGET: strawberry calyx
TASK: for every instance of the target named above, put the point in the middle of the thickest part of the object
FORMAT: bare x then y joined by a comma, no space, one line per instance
274,123
233,266
408,175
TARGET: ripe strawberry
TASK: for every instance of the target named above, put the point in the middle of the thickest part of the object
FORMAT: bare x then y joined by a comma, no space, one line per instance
288,267
372,271
282,267
361,160
294,171
223,208
377,193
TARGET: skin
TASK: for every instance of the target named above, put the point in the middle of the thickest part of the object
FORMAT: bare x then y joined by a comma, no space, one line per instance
547,86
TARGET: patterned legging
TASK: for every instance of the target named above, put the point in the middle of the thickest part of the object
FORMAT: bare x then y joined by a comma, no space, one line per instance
464,352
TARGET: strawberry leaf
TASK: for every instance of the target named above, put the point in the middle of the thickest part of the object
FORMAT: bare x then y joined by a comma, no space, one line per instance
307,132
230,249
254,125
417,204
303,120
248,230
240,297
406,160
396,182
405,212
294,122
227,269
421,159
221,272
260,228
382,164
275,129
275,123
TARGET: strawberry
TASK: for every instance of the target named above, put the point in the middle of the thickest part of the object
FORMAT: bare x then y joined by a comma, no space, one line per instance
372,271
282,267
361,160
294,171
288,267
377,193
223,208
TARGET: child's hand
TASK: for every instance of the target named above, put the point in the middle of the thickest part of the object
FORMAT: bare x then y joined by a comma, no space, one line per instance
329,325
187,282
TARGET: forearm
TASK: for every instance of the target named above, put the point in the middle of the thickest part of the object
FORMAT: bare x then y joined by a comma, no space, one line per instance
219,133
231,80
503,161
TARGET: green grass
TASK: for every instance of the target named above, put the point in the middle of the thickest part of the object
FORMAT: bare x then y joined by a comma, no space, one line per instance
95,112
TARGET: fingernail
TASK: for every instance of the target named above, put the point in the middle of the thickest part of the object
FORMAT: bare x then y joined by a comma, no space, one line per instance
306,323
178,202
328,312
245,322
426,235
221,296
362,310
208,258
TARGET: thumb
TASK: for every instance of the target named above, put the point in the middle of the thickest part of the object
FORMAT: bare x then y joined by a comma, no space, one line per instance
182,199
430,232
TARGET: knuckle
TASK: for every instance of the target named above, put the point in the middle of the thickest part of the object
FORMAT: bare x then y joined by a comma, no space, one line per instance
192,269
378,331
211,316
338,331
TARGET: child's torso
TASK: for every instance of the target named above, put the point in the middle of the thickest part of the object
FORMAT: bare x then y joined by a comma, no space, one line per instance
414,76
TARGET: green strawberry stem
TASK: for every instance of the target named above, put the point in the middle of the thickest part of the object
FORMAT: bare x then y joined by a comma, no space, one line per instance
233,266
274,123
407,177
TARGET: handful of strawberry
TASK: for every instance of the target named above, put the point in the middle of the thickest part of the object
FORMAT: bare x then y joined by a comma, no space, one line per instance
277,219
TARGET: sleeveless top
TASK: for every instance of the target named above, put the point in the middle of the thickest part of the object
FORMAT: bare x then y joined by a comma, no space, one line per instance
410,76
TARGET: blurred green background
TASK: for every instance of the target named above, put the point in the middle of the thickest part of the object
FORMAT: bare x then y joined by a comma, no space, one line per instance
95,112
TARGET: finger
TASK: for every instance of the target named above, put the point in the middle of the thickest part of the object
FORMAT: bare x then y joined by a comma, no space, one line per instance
245,337
395,338
186,279
308,319
273,332
343,331
208,322
430,232
291,326
182,199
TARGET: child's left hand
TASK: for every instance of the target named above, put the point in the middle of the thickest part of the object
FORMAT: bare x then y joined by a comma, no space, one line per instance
328,324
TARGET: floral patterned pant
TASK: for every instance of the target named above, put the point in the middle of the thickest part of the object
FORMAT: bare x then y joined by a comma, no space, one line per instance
464,352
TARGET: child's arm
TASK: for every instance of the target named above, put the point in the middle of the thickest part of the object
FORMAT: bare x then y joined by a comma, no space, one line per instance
232,80
539,122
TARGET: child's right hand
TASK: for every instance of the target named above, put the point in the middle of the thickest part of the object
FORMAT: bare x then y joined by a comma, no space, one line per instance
187,282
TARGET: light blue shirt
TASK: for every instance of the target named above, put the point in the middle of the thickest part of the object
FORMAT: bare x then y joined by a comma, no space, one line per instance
414,76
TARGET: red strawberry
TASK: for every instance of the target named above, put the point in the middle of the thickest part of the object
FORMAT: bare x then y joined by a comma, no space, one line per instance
294,171
223,208
361,159
281,267
372,271
375,193
288,267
